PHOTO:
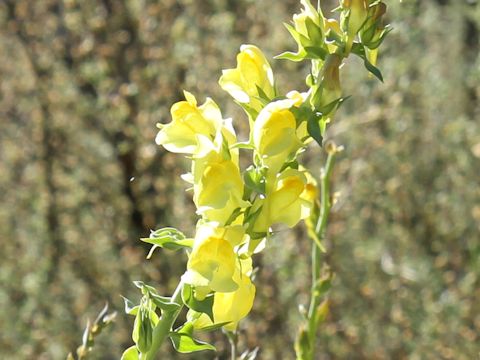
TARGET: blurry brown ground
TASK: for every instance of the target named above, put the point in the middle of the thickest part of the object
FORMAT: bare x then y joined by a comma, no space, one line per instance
82,85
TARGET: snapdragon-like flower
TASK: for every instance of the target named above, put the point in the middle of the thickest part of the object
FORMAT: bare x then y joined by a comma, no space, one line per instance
212,262
217,182
289,200
188,122
253,72
230,307
233,306
275,134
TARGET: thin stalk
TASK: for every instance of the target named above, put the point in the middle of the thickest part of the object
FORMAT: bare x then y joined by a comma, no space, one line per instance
233,338
161,331
320,229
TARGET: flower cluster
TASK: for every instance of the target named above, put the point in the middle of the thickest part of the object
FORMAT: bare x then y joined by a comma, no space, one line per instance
239,207
236,214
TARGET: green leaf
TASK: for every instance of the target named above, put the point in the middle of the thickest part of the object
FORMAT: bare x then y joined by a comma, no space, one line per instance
295,34
130,354
321,312
311,223
225,150
145,330
315,53
235,214
302,345
144,287
323,284
314,31
130,307
359,50
262,94
185,343
288,55
254,179
164,303
373,69
203,306
242,145
168,238
314,128
213,327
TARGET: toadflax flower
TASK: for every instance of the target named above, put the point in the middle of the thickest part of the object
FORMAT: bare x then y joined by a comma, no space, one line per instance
217,183
212,262
275,134
188,122
289,200
253,72
233,306
230,307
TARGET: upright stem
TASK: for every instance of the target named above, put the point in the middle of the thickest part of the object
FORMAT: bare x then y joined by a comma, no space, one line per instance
232,337
165,323
320,228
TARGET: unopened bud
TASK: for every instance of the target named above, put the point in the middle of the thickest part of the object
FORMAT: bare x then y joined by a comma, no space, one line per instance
354,15
328,89
373,29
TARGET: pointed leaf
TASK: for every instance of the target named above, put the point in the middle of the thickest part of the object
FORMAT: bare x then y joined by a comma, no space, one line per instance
254,179
213,327
288,55
130,307
164,303
359,50
185,344
204,306
130,354
314,129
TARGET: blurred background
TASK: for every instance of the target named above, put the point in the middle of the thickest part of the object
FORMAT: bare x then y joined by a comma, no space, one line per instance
82,85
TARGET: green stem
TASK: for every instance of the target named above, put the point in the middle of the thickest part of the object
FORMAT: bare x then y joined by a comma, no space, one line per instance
320,229
161,331
232,337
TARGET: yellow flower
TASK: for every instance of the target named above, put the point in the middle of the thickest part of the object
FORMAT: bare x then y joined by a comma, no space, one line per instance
233,306
297,97
219,191
252,72
230,307
212,261
188,122
288,201
217,182
334,26
275,134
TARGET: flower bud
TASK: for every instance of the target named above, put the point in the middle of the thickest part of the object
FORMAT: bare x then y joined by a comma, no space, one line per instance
145,329
253,72
354,14
328,89
373,27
